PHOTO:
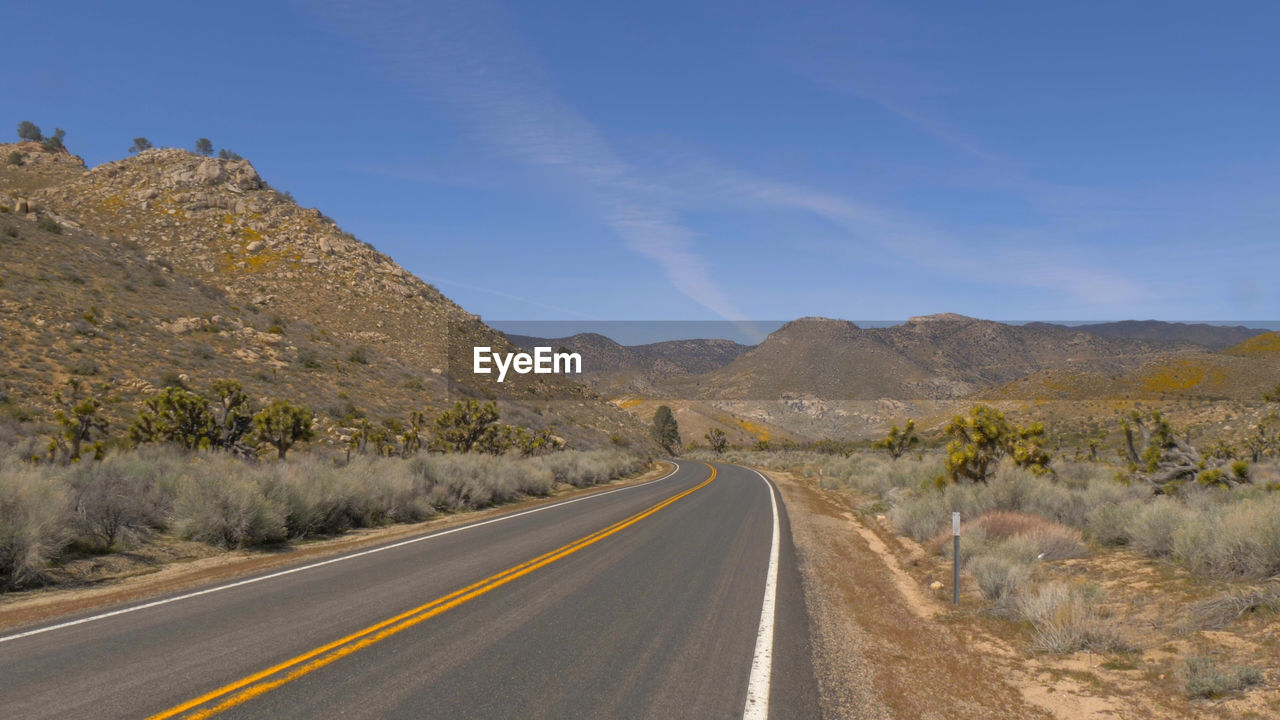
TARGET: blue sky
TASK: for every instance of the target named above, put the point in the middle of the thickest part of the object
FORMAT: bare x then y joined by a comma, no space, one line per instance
703,161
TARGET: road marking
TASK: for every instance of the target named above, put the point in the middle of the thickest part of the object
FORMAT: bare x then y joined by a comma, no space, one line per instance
261,682
757,707
322,563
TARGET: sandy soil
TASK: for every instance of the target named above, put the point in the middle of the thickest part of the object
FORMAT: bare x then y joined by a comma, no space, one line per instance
165,565
887,645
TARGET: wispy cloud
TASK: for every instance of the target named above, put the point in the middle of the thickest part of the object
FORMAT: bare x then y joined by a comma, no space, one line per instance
1027,260
466,55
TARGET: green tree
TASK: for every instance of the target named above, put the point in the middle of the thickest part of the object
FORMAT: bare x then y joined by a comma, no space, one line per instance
78,422
717,440
54,141
140,144
666,431
468,425
899,441
232,417
282,425
983,437
28,130
226,154
178,416
204,147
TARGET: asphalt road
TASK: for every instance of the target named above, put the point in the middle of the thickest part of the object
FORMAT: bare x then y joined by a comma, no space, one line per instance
645,602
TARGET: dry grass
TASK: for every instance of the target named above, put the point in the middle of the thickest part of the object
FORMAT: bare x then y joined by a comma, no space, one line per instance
1067,619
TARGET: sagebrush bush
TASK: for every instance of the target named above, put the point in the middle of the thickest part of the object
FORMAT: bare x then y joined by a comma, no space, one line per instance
1066,619
1237,541
1205,677
33,511
1153,528
1003,570
921,516
1110,524
125,494
225,504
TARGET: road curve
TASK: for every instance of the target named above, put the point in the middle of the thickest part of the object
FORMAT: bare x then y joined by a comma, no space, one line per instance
641,603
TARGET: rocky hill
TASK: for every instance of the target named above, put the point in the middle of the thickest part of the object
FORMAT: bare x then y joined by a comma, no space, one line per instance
170,264
616,369
930,358
1213,337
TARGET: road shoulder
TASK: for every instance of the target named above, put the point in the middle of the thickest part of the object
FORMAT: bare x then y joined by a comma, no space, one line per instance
882,649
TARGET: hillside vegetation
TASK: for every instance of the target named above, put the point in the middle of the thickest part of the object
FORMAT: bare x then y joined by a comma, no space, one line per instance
174,268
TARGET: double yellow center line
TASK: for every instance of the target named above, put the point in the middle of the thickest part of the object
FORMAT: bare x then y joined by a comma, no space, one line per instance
251,686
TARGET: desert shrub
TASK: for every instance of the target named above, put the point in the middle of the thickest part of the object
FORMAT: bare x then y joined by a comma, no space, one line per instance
316,497
32,520
220,501
1237,541
391,490
49,225
1003,569
1066,619
592,467
1154,526
14,158
321,498
922,516
1205,677
113,500
1050,540
1110,524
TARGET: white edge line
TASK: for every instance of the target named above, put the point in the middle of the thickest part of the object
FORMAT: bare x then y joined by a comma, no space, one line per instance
322,563
757,707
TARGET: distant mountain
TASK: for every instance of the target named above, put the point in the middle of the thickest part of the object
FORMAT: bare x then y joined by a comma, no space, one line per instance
168,263
931,357
1240,373
1214,337
619,369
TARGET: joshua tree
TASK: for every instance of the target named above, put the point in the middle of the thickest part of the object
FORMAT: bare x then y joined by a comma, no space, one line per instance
176,416
78,422
468,425
717,440
983,437
232,417
1157,456
283,424
898,442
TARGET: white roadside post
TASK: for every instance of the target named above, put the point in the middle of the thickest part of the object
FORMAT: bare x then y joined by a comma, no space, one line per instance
955,558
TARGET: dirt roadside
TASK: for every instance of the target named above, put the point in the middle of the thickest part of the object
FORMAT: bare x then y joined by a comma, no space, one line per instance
882,648
172,566
889,646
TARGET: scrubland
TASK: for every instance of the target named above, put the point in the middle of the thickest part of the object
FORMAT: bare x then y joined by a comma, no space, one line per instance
1183,587
51,513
